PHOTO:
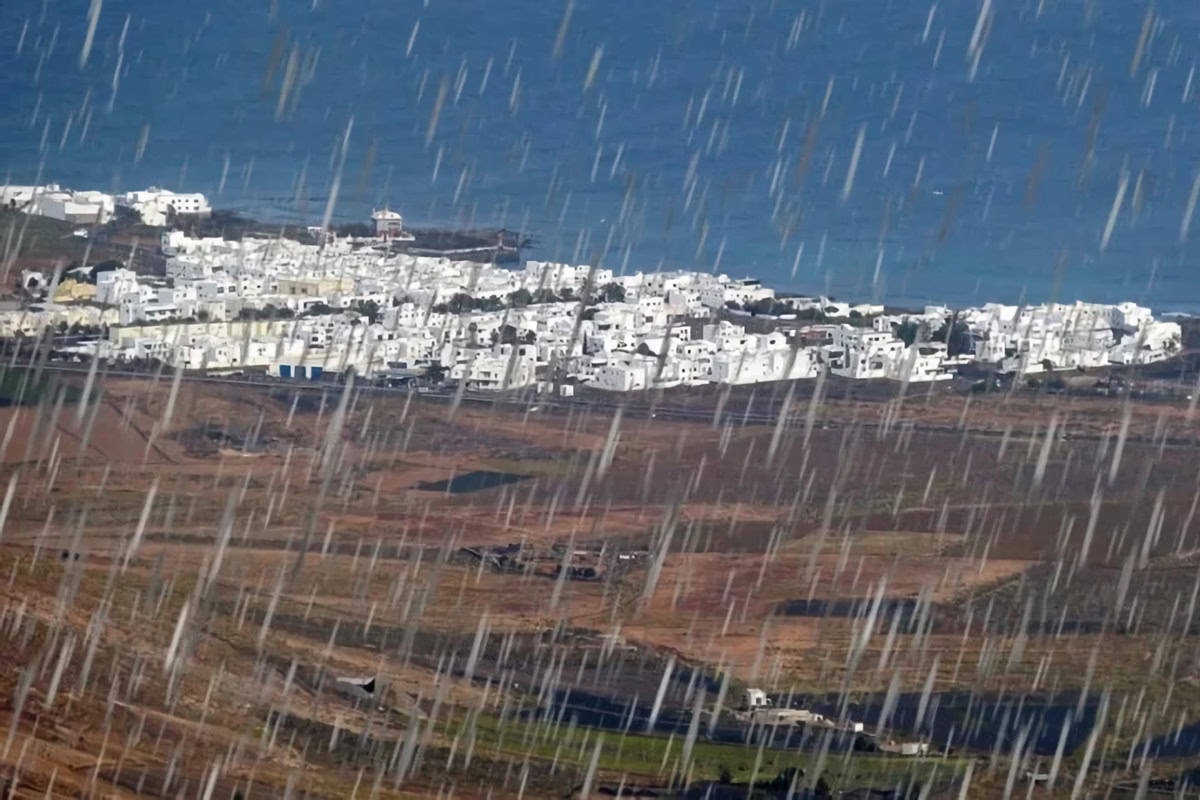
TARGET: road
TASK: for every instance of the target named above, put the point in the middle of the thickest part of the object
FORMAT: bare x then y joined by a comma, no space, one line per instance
533,403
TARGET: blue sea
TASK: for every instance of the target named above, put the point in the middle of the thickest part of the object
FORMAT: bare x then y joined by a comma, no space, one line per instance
902,151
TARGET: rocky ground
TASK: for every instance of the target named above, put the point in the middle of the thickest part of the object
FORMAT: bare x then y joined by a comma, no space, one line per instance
185,573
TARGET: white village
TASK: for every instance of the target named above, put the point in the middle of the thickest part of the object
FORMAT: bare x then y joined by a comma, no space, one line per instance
306,311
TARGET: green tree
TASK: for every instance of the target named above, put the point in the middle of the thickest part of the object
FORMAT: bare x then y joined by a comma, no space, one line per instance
957,337
761,306
460,303
906,331
768,305
369,309
612,293
520,298
436,373
104,266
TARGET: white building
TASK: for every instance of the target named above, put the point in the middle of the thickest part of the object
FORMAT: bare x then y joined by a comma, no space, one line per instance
156,205
21,198
504,366
75,207
626,373
51,200
715,294
649,340
862,353
389,224
920,362
1155,341
114,284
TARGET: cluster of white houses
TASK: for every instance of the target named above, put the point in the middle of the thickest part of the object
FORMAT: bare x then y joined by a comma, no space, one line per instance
87,207
300,310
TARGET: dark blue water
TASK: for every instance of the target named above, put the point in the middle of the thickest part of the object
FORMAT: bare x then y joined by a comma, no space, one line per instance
474,481
906,607
726,159
976,722
1184,743
957,719
600,711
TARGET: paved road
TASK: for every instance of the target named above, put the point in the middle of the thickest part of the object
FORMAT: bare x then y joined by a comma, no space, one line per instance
522,399
532,403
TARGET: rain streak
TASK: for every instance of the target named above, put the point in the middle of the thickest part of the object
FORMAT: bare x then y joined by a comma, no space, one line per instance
737,399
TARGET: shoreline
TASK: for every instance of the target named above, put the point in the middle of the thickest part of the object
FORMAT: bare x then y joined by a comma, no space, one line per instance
298,294
897,302
470,244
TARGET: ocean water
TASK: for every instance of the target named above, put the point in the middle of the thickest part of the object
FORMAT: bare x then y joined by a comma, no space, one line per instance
716,135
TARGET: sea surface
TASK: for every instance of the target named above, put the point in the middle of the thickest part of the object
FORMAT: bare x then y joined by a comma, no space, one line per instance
903,151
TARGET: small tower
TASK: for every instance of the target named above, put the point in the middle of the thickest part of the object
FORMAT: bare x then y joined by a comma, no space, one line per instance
388,223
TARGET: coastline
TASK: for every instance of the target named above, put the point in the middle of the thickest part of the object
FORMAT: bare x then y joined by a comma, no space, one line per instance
205,283
479,244
525,241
